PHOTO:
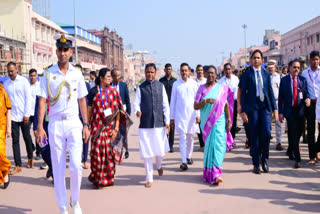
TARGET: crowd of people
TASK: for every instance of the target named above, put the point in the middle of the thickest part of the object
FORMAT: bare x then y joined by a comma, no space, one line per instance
72,116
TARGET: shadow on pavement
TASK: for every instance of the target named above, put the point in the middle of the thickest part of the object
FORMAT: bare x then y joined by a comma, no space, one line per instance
299,186
277,196
13,210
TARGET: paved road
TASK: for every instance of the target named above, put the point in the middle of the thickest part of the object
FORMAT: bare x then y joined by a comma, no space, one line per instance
283,190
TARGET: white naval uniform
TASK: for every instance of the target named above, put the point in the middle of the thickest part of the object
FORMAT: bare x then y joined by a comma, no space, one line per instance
184,115
34,92
65,130
275,84
153,141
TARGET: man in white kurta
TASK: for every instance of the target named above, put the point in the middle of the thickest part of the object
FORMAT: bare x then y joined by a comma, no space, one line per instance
182,114
152,107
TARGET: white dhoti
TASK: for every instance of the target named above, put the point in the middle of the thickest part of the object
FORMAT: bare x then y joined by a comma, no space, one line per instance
65,134
153,143
186,145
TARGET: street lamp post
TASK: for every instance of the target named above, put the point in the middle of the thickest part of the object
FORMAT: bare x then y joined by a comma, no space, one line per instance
75,30
245,42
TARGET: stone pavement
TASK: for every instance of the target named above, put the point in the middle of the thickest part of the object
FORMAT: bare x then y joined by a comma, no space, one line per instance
283,190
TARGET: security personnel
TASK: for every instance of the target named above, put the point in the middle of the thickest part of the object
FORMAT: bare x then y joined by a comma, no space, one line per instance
64,87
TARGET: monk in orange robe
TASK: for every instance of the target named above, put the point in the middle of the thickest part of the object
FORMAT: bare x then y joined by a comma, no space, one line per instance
5,129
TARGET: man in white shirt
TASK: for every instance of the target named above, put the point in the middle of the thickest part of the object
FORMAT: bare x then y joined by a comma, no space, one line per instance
152,107
19,92
312,75
232,82
35,88
200,80
182,114
275,84
64,87
92,79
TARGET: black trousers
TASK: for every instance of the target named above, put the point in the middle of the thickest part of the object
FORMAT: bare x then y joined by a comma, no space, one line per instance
234,123
15,141
38,148
313,145
171,137
295,128
200,137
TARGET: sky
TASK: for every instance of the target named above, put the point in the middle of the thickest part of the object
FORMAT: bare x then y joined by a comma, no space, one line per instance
192,31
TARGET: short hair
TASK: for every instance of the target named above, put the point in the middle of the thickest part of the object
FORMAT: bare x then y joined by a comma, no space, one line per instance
11,63
114,70
314,54
225,65
152,65
199,66
293,61
32,70
284,67
184,64
213,67
236,71
168,65
256,51
93,73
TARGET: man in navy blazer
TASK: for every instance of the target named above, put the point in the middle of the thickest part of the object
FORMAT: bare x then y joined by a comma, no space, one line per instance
257,103
293,96
122,89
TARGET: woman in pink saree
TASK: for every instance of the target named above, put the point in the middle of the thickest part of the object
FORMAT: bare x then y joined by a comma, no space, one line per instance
215,102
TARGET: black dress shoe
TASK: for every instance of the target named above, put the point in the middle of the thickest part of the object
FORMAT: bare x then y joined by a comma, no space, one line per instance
297,164
171,150
256,170
126,155
184,166
6,184
265,166
49,173
238,129
189,161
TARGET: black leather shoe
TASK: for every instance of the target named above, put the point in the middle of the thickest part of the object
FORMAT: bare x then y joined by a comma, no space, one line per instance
297,164
171,150
126,155
6,184
184,166
189,161
256,170
49,173
265,166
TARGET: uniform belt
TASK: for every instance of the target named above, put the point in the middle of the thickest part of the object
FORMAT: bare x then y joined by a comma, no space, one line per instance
314,100
63,117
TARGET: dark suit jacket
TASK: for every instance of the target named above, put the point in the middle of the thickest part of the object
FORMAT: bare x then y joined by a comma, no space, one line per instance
286,97
248,91
124,94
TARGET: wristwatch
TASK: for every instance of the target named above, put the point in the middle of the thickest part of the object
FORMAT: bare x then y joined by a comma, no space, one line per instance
86,124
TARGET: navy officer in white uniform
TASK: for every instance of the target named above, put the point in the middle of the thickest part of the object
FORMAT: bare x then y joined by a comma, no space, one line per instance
63,87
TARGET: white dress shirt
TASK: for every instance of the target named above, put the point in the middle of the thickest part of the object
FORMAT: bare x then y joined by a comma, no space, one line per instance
313,86
275,84
78,90
257,81
116,87
200,82
92,83
181,106
19,93
35,90
232,83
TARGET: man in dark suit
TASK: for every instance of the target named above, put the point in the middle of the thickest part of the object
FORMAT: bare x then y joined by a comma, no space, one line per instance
257,103
293,95
122,89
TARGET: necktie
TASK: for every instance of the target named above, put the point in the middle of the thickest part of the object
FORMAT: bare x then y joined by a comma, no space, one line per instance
261,95
295,93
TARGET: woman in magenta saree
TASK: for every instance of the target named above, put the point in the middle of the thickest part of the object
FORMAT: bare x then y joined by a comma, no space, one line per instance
215,102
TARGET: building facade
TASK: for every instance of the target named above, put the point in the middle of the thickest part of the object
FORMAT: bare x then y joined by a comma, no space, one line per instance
301,40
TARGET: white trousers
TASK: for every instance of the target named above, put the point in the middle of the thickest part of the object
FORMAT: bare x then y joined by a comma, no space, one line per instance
278,131
65,134
148,166
186,146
